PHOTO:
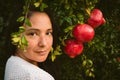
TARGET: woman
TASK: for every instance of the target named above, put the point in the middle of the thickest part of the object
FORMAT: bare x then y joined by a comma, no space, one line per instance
23,65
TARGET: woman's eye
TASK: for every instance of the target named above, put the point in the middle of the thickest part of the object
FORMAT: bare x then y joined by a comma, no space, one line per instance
49,33
32,34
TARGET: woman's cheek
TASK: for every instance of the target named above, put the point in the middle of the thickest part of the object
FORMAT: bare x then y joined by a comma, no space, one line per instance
32,43
51,41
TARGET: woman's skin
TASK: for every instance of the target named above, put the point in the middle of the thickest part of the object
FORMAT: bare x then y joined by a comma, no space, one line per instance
39,37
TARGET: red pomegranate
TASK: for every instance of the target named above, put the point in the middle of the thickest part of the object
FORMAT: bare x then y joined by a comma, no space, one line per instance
96,15
83,32
72,48
103,21
96,18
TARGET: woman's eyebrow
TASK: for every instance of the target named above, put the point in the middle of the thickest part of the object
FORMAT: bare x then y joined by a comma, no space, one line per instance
50,29
33,29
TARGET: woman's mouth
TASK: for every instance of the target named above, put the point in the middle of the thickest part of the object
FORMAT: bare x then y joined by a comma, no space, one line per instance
42,53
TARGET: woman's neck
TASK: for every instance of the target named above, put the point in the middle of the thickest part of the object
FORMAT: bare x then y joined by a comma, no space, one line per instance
19,54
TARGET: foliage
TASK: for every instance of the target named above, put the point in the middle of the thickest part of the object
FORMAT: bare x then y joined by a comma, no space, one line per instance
68,13
99,54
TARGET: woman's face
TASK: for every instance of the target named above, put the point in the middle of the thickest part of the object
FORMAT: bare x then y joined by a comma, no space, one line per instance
39,37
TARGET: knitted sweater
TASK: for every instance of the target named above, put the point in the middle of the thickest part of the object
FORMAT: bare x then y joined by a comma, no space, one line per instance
19,69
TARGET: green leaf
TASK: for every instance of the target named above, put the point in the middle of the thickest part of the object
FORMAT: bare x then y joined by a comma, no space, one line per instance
69,20
91,74
89,63
20,19
58,48
51,50
53,57
84,63
15,34
43,6
69,28
57,52
24,41
21,29
80,18
16,39
37,4
87,72
25,9
27,22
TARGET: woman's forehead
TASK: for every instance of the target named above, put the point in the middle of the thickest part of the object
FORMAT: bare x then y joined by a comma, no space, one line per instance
39,15
40,21
40,18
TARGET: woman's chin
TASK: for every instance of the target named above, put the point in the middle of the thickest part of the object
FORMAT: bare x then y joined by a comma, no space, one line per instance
42,59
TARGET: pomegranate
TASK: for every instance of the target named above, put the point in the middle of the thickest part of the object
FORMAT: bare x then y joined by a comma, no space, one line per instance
96,15
103,21
83,32
96,18
72,48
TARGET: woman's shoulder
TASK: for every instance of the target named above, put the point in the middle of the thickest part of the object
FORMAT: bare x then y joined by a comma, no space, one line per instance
15,71
19,67
15,64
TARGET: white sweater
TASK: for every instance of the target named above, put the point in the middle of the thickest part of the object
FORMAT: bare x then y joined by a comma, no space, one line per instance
19,69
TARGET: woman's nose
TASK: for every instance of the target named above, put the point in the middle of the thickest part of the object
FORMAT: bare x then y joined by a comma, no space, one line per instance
42,41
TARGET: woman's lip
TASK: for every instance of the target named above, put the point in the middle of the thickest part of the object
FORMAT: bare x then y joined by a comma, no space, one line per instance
41,52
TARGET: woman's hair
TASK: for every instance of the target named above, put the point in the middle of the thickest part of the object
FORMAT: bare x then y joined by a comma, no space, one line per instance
30,13
15,26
